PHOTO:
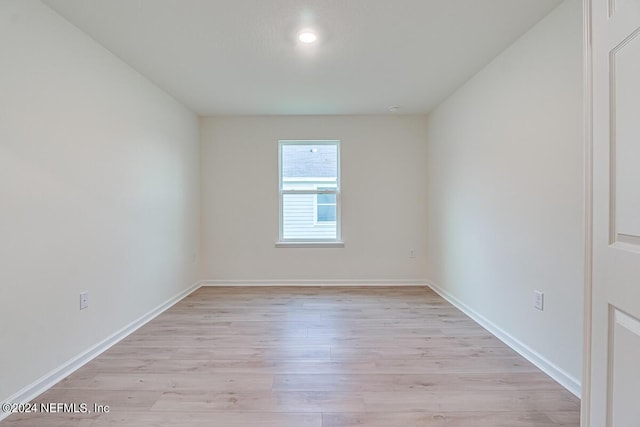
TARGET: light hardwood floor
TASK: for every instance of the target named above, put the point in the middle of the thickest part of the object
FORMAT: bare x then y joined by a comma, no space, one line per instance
311,357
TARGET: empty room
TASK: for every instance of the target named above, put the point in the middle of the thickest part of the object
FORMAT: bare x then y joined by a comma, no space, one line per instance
319,213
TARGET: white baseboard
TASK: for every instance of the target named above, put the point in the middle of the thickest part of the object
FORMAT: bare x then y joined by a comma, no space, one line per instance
347,282
48,380
558,374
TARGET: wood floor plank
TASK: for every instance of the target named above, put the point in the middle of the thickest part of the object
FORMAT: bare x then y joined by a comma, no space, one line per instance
514,381
205,419
310,357
437,419
313,401
169,382
469,400
432,351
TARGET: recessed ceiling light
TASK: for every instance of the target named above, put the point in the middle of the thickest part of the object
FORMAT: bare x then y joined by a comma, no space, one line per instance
307,36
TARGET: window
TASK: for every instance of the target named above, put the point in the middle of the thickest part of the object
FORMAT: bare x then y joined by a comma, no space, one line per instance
309,187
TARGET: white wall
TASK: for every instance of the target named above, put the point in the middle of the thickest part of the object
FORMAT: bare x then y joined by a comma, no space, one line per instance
505,190
99,191
383,203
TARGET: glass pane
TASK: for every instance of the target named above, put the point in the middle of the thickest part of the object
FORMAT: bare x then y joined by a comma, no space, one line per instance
326,199
326,213
304,167
299,219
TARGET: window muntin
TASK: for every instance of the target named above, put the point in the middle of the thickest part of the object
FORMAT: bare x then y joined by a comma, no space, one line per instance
309,188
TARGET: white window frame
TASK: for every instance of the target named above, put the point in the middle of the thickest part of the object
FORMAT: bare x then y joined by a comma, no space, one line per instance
282,242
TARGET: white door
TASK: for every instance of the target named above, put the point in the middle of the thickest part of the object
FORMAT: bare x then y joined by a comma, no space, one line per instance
615,333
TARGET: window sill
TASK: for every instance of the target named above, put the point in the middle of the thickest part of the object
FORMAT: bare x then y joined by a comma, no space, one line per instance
309,244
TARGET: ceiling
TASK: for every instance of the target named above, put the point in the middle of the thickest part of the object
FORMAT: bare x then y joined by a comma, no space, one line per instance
242,57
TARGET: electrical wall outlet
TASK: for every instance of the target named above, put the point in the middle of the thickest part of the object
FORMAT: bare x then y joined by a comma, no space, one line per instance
538,300
84,300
